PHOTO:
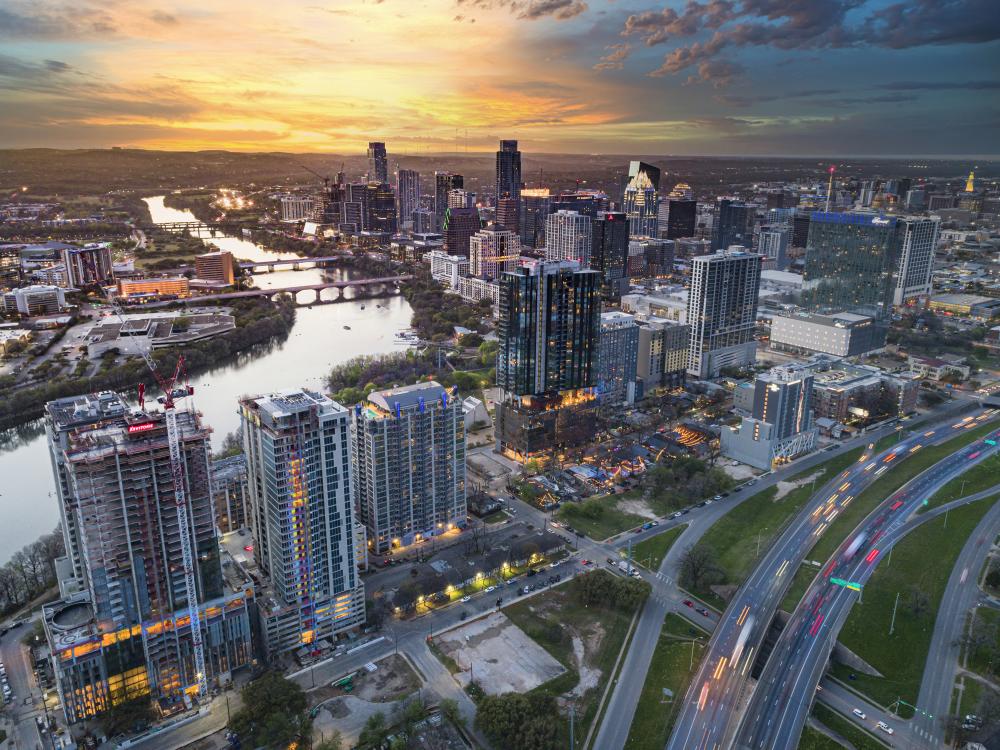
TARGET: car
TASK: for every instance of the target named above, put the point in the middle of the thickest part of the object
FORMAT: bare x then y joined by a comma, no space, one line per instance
860,714
638,530
703,612
585,562
647,525
717,497
654,523
751,483
612,561
635,573
709,501
555,564
885,728
490,589
512,510
678,514
688,603
702,504
737,489
465,599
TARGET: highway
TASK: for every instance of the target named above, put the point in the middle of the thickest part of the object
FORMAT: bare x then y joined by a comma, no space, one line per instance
715,698
782,697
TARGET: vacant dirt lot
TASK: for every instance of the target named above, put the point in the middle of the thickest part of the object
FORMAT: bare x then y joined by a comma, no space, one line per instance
498,655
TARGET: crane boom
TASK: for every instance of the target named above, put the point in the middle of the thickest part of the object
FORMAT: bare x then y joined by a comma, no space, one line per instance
326,180
180,501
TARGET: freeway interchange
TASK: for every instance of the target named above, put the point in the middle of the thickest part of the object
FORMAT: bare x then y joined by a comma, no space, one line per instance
714,714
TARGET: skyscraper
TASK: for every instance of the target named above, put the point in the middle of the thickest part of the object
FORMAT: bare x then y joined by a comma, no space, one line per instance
126,632
722,312
682,216
492,251
773,241
378,162
459,226
380,206
617,358
508,187
444,183
535,209
302,510
850,266
917,238
609,252
408,452
568,237
548,330
733,224
641,199
407,195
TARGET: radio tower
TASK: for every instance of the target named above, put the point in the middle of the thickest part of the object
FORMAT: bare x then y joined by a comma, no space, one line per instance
829,187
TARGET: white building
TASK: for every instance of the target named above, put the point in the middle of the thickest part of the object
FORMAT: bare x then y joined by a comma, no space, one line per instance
474,289
722,311
568,236
671,306
296,208
34,300
493,251
448,269
918,237
841,334
773,242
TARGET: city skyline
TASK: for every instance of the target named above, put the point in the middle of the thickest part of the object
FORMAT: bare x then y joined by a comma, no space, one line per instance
719,78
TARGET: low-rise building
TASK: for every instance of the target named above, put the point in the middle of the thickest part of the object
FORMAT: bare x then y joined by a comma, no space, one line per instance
936,368
34,300
218,266
840,335
229,493
473,289
448,269
11,338
137,289
966,305
662,349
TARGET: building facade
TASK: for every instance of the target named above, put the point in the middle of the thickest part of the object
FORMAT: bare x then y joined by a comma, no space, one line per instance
297,447
840,334
534,211
773,242
609,252
733,224
917,238
407,196
459,226
568,237
88,265
617,358
378,163
641,199
408,455
444,183
722,312
492,251
218,266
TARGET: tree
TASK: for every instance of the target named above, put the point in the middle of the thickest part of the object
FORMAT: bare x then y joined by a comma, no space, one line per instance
374,733
273,712
699,567
334,742
520,722
917,601
449,707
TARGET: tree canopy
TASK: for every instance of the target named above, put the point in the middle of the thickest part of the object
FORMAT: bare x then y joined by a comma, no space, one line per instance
273,712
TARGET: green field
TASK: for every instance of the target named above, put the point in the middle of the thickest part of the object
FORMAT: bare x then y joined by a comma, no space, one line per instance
813,739
983,660
800,582
650,552
671,667
847,729
553,622
901,657
598,517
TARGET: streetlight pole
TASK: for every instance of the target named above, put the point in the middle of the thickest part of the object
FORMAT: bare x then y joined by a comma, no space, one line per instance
892,623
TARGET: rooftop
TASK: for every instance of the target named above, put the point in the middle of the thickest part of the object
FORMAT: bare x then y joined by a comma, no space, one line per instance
74,411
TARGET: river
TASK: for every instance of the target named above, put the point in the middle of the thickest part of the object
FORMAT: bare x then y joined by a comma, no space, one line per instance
317,341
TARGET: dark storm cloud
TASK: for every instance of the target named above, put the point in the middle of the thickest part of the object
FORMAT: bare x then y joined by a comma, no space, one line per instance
808,25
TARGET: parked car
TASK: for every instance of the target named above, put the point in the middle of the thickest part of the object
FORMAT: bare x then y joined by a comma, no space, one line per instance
465,599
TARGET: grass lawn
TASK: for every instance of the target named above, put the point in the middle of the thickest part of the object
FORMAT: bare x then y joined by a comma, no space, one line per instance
813,740
901,657
650,552
983,659
803,577
980,477
847,729
903,471
671,667
497,516
598,517
555,621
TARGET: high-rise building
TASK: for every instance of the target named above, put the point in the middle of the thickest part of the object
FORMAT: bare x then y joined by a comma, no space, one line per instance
682,214
722,312
568,237
380,207
850,266
917,238
733,224
800,229
217,266
302,517
444,183
508,186
587,202
781,426
772,242
459,226
609,252
407,195
617,358
124,633
424,221
549,331
295,208
641,199
535,210
492,251
459,198
408,453
378,162
87,265
663,352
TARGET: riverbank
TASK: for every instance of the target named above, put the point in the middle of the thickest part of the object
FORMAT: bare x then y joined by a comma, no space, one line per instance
258,323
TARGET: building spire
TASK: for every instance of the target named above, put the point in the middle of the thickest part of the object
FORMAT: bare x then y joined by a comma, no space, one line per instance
970,184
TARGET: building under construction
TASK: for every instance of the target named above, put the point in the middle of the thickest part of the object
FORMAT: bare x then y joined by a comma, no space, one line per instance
126,631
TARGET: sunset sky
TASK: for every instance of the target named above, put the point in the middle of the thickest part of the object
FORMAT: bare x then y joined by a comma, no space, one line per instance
611,76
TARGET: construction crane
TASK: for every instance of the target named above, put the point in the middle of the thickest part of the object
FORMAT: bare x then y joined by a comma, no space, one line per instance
326,180
171,391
